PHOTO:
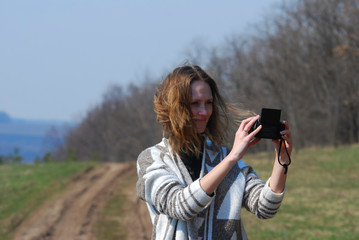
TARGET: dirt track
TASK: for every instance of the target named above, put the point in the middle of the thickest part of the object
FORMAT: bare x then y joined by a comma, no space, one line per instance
71,214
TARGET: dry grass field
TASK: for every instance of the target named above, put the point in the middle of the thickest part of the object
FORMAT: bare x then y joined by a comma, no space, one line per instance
98,201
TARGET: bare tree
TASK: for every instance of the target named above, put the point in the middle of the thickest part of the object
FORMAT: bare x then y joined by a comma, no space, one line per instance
119,128
303,60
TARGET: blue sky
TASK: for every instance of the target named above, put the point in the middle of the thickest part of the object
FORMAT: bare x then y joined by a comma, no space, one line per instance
57,58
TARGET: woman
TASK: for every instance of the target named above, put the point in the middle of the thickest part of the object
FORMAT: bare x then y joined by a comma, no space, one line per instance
193,187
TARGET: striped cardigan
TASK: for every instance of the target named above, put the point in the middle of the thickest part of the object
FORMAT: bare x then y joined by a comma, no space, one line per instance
180,209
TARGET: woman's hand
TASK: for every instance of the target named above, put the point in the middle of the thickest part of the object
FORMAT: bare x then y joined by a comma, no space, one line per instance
287,143
244,140
279,176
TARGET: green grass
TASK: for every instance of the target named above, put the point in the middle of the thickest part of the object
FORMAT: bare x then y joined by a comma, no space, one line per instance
321,200
109,226
24,187
112,222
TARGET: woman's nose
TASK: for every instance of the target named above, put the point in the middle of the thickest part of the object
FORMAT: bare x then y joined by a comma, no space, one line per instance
202,109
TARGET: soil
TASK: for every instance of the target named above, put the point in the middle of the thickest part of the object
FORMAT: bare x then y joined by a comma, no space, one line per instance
71,215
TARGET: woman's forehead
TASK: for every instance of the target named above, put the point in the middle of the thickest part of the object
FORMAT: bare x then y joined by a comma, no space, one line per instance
201,89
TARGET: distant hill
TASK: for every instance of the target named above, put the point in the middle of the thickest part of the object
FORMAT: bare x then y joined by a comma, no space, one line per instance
33,138
4,117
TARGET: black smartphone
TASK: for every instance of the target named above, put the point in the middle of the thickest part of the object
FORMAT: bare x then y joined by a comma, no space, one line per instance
271,124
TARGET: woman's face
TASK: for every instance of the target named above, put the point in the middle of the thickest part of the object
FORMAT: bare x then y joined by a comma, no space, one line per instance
201,104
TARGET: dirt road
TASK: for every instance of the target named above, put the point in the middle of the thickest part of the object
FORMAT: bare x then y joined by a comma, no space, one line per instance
71,214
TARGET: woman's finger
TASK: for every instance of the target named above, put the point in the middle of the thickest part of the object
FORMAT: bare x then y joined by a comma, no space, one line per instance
285,133
254,141
286,124
248,123
255,131
245,121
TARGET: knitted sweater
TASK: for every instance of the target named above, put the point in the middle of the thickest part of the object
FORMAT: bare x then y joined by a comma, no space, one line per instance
180,209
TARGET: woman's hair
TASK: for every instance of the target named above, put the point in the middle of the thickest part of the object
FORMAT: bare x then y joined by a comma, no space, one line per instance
172,106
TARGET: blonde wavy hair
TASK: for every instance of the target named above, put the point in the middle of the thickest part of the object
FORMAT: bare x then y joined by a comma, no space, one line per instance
172,106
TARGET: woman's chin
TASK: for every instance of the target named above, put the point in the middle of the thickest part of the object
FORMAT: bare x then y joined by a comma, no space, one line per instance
201,129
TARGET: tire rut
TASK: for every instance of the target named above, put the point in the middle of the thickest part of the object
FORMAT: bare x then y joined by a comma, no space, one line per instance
71,214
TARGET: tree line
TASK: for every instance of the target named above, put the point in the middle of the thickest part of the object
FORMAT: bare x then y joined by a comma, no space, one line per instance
14,157
304,60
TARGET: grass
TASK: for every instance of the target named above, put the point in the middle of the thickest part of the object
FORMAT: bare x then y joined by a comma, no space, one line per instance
24,187
321,199
114,217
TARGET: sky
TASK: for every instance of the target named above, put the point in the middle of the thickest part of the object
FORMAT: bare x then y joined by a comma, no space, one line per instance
58,58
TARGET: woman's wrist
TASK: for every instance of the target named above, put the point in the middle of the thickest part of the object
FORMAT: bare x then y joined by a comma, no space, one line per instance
282,159
283,162
231,158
